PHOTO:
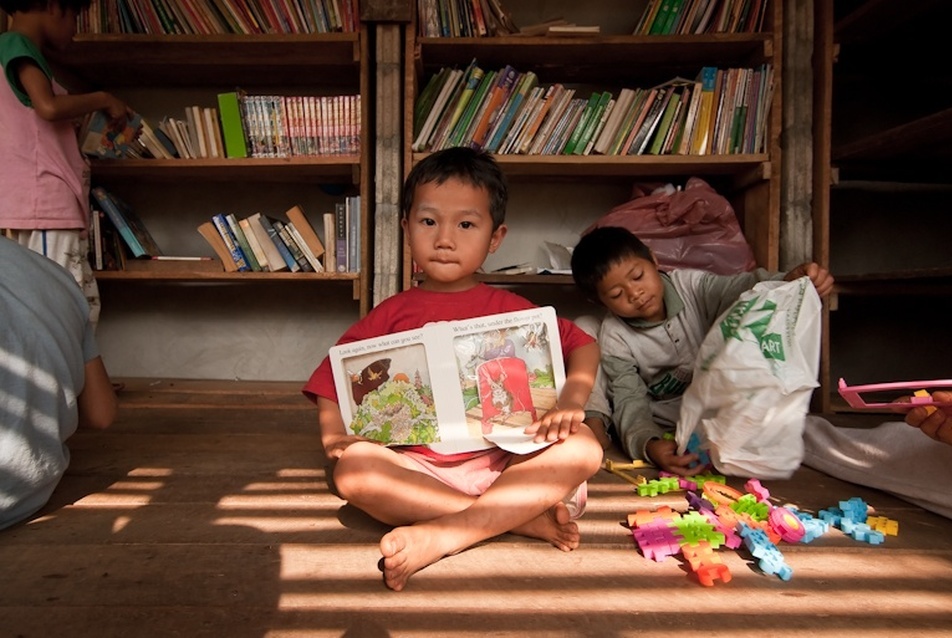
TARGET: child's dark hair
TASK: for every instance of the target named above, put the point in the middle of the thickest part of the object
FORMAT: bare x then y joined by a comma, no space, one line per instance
476,168
598,251
25,6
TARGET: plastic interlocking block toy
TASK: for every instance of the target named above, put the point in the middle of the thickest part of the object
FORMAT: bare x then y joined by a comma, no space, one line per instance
770,559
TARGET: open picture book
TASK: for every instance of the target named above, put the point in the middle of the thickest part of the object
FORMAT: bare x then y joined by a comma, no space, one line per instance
454,386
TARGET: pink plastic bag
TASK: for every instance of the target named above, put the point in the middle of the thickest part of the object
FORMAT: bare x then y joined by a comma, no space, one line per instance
691,228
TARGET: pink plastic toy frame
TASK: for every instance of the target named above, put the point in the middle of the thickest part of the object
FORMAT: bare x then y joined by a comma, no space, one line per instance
853,398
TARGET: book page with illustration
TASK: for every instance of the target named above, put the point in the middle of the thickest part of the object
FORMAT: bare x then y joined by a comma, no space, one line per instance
454,386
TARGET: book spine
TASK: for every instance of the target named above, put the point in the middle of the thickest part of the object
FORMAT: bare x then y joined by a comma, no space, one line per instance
306,230
260,256
340,233
232,131
330,242
312,259
505,82
279,244
353,234
576,133
594,123
221,224
293,248
211,235
239,236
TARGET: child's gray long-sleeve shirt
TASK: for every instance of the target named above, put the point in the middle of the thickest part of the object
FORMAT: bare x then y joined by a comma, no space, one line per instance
648,366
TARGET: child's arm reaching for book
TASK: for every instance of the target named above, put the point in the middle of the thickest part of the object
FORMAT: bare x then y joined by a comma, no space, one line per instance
334,435
569,411
52,107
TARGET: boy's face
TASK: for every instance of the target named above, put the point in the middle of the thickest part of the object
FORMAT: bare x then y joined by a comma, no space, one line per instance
632,289
450,231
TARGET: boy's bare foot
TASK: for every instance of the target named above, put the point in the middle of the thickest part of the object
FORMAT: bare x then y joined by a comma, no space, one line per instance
407,550
555,526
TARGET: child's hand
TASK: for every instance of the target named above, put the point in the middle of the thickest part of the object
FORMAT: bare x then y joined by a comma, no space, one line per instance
664,454
334,446
820,276
117,110
557,424
936,423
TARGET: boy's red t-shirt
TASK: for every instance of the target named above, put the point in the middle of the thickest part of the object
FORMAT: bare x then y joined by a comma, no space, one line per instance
415,308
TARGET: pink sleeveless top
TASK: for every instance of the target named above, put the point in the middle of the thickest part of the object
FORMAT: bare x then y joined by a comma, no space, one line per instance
44,179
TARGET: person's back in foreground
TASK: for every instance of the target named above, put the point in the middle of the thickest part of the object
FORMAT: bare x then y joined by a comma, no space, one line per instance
51,376
453,215
651,335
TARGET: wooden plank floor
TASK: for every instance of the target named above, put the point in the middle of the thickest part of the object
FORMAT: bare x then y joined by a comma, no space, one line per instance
203,512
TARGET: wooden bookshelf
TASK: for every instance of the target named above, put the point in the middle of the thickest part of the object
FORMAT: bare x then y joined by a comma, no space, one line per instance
884,183
312,64
268,325
610,62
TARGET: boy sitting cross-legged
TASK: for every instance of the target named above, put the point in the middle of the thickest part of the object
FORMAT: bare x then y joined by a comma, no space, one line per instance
454,205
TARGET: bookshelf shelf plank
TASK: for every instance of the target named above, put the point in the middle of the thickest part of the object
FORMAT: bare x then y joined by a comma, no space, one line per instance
925,135
335,168
187,60
919,281
596,59
626,166
222,276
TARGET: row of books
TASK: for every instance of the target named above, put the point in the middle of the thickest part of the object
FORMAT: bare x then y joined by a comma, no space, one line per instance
257,243
265,243
241,126
722,111
205,17
463,18
686,17
283,126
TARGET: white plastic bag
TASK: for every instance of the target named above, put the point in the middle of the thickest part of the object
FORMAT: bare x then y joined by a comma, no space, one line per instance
755,372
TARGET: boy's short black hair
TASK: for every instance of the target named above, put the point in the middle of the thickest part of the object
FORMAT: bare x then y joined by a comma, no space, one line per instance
473,167
598,251
24,6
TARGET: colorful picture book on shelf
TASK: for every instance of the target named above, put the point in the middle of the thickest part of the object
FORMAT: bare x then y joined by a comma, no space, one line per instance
133,232
102,138
454,386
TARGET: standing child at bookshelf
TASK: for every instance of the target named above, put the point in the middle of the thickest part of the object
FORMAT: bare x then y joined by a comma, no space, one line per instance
652,333
44,179
454,205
